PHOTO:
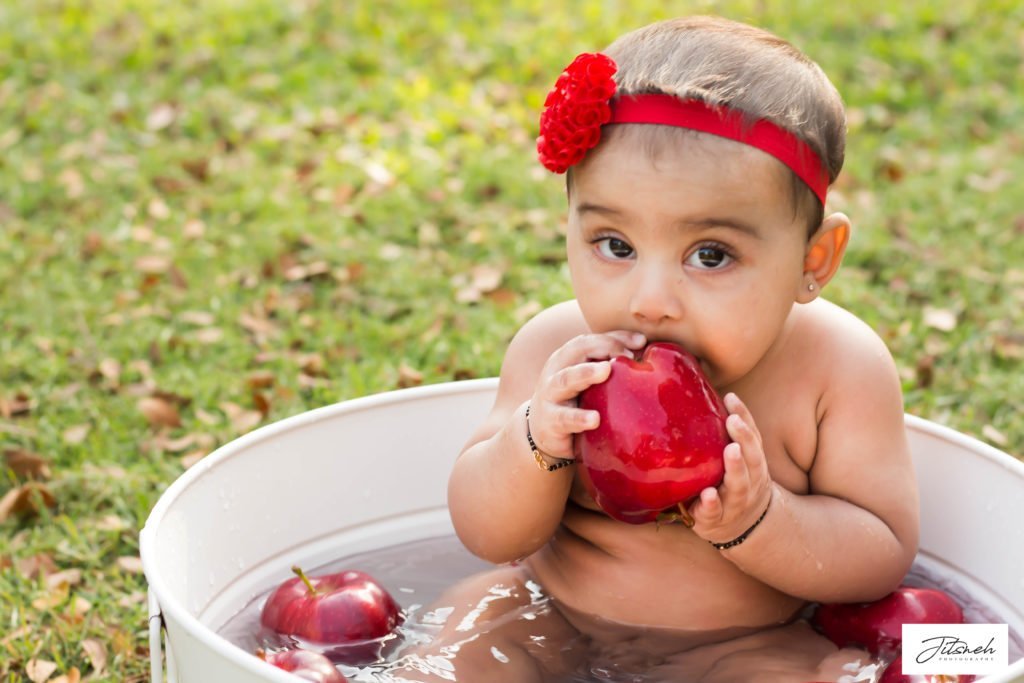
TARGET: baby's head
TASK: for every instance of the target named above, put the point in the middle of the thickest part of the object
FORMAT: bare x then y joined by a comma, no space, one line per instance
730,65
706,227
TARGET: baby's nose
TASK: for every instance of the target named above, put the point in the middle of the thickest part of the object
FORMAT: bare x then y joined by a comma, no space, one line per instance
656,298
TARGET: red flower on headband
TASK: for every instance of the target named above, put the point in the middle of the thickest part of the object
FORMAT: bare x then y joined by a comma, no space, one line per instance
575,110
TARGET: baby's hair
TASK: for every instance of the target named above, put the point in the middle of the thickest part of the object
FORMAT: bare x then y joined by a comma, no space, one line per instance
748,69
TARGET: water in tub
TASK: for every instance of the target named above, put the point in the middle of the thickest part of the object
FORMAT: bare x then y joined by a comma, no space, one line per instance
416,574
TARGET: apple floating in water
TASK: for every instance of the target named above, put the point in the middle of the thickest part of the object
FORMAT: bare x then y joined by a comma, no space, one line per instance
661,437
878,625
311,666
349,612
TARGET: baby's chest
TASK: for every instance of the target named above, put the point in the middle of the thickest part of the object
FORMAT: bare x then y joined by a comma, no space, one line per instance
789,435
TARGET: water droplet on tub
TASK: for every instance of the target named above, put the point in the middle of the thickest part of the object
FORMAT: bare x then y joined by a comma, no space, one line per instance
241,563
212,579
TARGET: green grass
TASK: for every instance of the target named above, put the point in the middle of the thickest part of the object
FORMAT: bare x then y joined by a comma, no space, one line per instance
192,194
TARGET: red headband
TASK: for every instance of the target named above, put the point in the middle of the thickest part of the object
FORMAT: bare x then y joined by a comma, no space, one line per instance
580,103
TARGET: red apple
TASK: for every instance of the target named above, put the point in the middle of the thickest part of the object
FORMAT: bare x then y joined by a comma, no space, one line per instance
878,625
348,610
312,666
894,674
661,437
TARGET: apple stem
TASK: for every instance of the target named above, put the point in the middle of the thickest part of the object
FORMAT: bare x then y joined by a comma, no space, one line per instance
305,579
685,515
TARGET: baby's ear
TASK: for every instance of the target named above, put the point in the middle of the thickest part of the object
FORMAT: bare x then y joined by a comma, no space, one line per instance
825,250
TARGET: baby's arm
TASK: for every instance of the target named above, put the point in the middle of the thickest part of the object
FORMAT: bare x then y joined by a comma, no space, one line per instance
504,507
854,537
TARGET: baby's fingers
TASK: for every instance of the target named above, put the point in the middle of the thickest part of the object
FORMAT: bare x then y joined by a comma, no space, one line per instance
708,510
566,420
567,383
596,347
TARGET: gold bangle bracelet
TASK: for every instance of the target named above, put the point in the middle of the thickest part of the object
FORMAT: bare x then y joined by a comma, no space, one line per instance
539,456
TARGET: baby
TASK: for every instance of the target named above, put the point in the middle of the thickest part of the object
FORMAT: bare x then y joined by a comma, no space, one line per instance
699,152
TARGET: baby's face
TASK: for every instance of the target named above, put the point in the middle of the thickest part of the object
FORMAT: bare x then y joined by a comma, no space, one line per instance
701,247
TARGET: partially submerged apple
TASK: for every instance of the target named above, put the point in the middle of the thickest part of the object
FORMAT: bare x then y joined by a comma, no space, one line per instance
311,666
661,437
878,625
347,615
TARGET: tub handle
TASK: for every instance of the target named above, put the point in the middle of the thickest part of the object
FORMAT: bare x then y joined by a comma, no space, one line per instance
156,631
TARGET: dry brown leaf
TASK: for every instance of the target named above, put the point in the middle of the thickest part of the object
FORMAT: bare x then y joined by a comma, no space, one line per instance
181,444
24,500
158,209
91,245
161,116
27,465
76,434
34,566
242,420
77,609
198,318
257,325
132,599
110,369
52,598
486,278
311,364
16,634
192,458
15,406
72,676
261,403
940,319
39,670
197,168
261,379
159,412
74,184
152,264
409,376
65,577
130,564
208,335
994,435
97,654
110,523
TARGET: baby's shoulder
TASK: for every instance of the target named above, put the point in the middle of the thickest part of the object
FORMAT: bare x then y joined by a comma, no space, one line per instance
839,335
849,353
549,329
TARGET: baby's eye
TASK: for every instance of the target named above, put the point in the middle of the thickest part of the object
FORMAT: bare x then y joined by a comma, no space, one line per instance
613,248
709,258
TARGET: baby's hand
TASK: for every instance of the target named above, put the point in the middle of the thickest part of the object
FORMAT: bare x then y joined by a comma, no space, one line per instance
581,362
722,514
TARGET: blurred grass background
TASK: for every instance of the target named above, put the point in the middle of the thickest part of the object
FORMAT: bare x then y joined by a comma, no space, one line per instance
217,214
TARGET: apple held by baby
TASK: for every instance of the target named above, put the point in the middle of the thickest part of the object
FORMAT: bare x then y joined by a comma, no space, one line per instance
312,666
661,438
347,616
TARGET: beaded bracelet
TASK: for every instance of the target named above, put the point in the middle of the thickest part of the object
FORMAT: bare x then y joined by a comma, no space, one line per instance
539,457
742,537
